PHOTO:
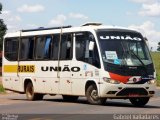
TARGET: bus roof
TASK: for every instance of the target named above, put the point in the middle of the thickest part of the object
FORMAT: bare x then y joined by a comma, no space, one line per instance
64,29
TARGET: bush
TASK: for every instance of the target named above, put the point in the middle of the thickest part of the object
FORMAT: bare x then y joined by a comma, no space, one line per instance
2,90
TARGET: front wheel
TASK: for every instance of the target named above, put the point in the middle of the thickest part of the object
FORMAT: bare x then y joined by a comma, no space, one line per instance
92,96
30,93
141,101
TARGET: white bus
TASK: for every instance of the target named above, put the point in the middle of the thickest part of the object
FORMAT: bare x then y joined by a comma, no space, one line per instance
96,61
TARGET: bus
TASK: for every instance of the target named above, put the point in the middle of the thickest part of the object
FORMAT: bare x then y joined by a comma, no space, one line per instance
94,61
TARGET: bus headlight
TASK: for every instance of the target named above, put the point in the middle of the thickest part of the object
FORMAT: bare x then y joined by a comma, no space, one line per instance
109,80
151,82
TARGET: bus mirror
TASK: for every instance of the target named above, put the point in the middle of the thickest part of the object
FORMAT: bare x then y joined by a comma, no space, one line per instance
146,40
91,45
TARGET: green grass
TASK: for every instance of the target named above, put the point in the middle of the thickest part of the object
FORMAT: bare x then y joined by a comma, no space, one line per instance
1,89
156,60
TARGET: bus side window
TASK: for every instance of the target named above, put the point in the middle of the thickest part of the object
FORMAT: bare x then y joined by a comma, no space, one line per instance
10,49
82,49
43,47
47,48
66,47
55,47
26,49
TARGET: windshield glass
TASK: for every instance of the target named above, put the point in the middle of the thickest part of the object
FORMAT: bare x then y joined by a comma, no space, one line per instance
123,48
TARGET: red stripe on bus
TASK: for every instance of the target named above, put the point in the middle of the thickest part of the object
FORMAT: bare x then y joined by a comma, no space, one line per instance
123,79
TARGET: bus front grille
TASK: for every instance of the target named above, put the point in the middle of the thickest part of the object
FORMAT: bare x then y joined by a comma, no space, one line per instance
132,92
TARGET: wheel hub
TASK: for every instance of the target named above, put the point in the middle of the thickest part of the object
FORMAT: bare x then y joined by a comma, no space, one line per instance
94,94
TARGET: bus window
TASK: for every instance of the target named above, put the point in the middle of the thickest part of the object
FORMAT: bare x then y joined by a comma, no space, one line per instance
83,53
43,47
47,48
66,47
10,49
26,49
55,47
80,47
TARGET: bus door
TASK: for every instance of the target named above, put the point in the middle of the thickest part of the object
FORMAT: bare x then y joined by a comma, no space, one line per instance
64,64
86,64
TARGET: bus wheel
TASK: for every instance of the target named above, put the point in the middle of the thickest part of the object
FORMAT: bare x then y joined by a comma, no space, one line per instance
92,96
141,101
30,93
70,98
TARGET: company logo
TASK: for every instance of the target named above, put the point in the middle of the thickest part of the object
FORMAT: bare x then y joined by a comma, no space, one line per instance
127,37
134,79
61,69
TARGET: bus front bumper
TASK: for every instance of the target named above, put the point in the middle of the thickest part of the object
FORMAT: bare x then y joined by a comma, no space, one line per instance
121,90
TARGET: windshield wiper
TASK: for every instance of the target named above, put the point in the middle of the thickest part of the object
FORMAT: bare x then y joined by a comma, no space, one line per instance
131,52
144,66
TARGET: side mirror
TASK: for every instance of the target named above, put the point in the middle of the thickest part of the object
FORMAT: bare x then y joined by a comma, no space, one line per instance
146,40
91,45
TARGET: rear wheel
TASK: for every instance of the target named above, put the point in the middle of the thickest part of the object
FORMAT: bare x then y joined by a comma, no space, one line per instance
30,93
141,101
70,98
92,96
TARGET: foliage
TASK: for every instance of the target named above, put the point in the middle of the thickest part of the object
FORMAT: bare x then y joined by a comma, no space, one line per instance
158,49
3,29
156,60
1,89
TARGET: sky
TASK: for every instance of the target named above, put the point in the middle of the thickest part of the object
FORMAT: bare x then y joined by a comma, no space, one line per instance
142,15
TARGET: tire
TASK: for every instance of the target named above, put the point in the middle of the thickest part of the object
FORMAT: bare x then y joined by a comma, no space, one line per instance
70,98
139,102
30,93
92,96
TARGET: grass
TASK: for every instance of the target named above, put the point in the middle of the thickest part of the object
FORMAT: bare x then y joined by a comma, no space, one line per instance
156,60
1,89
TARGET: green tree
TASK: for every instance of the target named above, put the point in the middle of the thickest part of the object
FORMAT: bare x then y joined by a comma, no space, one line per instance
3,29
158,49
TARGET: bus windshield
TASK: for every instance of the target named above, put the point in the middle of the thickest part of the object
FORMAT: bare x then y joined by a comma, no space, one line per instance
123,48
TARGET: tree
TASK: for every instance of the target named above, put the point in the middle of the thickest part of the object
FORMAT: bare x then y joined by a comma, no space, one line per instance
158,49
3,29
151,49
